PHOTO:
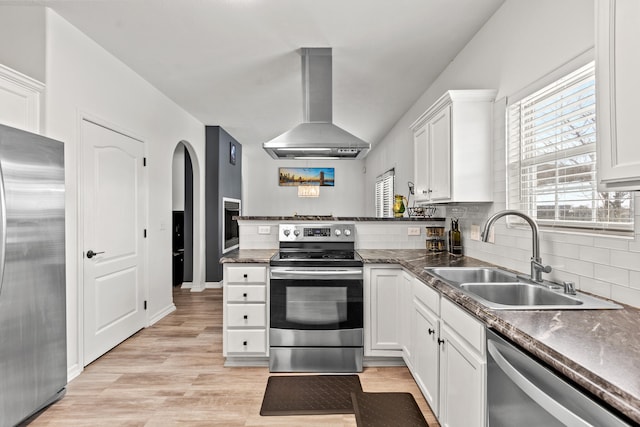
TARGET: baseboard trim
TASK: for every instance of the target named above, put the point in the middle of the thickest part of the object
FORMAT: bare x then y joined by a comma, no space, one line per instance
213,285
373,361
246,362
161,314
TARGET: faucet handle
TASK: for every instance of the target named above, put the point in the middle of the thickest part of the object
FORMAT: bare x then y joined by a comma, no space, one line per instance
569,288
541,267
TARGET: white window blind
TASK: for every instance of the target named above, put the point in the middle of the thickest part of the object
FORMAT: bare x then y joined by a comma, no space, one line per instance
384,194
552,158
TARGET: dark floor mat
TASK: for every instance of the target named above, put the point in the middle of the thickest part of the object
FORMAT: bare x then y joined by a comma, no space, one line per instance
387,410
309,394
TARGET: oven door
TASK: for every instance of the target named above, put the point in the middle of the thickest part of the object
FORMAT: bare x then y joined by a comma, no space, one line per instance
322,298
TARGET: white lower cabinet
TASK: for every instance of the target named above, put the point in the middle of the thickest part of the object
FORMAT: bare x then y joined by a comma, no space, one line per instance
406,318
426,355
244,324
382,296
448,359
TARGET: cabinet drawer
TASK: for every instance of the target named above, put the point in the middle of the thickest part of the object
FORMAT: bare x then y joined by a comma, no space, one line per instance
464,325
246,315
246,293
427,296
247,341
246,274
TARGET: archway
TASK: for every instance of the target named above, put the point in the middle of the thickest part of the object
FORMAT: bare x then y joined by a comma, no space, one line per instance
187,249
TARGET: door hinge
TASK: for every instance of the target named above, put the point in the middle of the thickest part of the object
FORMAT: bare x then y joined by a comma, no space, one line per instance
145,233
144,161
145,304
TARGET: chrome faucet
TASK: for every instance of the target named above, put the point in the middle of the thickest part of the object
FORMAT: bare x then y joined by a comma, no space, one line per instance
537,268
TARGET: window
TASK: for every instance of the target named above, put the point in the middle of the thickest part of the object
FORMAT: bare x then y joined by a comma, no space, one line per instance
384,194
551,157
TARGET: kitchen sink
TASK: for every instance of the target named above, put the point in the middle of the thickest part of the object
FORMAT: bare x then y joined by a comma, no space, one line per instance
518,294
460,275
498,289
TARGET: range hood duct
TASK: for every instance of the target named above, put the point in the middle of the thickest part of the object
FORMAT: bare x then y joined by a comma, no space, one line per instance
317,137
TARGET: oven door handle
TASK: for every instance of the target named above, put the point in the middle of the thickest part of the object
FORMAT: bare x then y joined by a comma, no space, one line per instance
316,274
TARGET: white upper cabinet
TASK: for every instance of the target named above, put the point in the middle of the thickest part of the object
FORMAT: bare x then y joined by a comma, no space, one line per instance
618,94
453,148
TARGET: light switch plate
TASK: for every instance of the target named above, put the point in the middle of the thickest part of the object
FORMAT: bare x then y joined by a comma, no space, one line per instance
475,232
264,229
413,231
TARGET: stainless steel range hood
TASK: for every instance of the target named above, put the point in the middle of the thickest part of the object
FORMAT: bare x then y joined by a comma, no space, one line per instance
317,137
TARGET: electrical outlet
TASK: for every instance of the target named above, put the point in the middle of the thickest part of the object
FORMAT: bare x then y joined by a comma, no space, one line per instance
264,229
413,231
475,232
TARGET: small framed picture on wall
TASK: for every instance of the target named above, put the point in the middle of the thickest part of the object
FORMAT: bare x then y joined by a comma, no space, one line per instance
232,153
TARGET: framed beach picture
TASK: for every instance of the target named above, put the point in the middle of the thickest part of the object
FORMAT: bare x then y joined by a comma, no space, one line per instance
307,176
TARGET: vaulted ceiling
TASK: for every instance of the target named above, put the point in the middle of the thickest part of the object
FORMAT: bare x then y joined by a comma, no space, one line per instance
235,63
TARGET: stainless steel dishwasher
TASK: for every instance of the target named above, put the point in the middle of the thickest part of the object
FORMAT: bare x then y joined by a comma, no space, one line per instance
522,392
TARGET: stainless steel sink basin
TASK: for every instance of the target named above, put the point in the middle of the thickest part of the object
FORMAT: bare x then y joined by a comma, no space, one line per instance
502,290
518,294
460,275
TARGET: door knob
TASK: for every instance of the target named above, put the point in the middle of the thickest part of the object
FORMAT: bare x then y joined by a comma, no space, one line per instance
91,254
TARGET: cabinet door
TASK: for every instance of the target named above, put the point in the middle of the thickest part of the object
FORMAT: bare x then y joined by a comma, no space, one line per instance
426,355
618,94
440,155
384,291
462,382
406,318
421,163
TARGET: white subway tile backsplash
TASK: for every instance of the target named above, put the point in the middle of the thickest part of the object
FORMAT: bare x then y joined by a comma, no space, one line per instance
625,259
619,243
591,254
634,279
582,268
616,275
594,286
627,295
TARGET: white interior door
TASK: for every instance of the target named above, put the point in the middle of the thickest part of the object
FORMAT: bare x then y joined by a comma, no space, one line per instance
113,228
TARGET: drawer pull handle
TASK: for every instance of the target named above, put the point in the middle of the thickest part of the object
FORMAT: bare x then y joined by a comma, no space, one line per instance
244,295
440,341
244,343
246,317
432,331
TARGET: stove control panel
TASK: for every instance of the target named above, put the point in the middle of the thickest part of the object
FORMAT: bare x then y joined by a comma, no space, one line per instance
342,232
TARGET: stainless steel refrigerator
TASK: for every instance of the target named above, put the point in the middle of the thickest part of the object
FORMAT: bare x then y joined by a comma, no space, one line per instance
33,348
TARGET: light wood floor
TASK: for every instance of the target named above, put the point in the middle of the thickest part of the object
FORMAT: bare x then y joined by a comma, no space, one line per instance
172,374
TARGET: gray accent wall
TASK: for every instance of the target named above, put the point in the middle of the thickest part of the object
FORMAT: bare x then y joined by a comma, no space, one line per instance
222,179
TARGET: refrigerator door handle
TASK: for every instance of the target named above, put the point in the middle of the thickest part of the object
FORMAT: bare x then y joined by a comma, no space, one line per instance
3,228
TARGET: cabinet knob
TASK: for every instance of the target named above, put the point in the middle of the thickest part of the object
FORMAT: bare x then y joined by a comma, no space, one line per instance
440,341
424,191
246,317
244,295
430,191
245,275
244,343
432,331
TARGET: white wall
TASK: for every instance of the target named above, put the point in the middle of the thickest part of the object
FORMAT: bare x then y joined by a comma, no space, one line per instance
262,196
177,171
82,78
521,43
25,24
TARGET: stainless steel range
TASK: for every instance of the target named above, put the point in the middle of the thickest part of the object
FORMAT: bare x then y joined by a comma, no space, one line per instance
316,306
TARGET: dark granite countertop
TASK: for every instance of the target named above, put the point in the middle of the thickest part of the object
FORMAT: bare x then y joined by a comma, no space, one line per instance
248,256
332,218
599,350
